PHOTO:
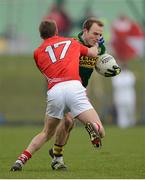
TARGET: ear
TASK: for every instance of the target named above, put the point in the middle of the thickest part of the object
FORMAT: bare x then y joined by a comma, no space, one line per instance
85,30
56,32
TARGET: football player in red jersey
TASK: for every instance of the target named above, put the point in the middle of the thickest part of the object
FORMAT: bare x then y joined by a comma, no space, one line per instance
58,60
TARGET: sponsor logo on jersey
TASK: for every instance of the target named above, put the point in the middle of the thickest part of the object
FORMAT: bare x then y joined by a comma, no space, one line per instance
88,62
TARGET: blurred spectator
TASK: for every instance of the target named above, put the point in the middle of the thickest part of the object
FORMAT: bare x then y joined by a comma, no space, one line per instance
58,13
127,38
9,32
124,98
13,42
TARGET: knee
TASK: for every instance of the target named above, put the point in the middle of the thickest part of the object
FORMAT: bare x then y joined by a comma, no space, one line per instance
69,123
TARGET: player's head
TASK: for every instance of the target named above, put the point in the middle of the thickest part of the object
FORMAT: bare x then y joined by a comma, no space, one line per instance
92,30
47,29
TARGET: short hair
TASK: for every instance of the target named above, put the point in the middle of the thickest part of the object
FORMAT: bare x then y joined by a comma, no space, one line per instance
47,29
90,21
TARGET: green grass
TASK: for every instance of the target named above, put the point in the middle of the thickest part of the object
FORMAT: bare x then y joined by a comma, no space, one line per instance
122,155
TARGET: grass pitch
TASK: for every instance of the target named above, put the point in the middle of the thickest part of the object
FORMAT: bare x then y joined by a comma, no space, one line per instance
122,155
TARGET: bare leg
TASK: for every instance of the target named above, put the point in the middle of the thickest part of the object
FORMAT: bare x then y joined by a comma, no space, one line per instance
37,142
63,130
47,132
93,126
91,116
62,135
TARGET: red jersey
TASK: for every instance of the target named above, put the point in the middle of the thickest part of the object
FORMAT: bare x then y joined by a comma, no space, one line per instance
58,59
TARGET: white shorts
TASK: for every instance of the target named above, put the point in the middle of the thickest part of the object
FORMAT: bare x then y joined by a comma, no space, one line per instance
68,96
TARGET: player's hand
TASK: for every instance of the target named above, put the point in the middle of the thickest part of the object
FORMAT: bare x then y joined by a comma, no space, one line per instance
101,41
113,72
101,46
93,51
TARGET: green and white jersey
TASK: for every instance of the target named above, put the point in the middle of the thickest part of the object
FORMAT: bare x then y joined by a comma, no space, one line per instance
87,64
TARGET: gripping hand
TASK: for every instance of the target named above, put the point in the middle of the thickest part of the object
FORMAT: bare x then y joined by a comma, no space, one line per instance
113,72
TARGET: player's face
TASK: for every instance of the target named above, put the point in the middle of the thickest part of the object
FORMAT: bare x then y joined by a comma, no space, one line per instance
93,35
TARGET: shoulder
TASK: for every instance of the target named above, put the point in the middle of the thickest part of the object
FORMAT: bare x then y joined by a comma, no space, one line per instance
75,39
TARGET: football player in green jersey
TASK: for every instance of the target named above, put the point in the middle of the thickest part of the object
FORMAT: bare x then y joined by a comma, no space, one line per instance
91,35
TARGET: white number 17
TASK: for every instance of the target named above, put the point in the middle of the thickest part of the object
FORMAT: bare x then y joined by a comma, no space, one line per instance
51,51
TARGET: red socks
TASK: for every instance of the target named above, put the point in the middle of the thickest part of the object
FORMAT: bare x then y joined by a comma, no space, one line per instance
24,156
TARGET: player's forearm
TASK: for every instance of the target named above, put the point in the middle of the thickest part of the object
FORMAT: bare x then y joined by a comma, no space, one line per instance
93,51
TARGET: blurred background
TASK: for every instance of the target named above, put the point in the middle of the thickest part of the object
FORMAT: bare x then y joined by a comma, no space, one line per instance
23,88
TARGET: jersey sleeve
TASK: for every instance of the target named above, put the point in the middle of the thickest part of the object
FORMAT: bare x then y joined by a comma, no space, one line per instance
83,50
35,55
